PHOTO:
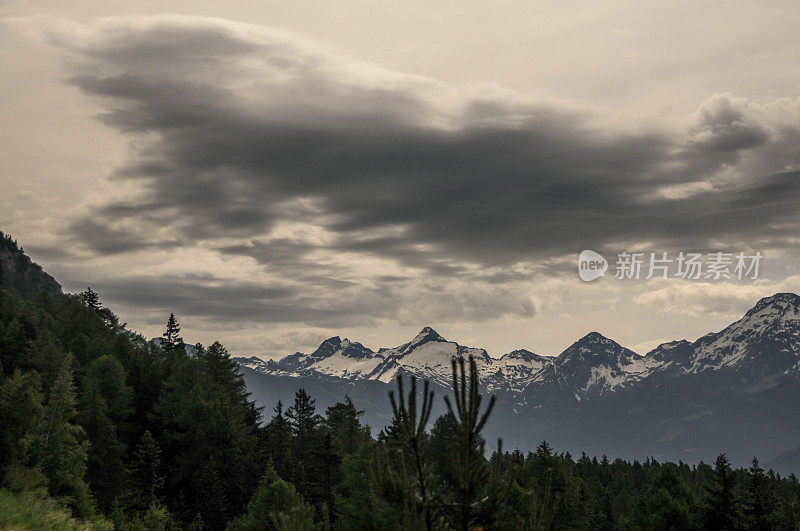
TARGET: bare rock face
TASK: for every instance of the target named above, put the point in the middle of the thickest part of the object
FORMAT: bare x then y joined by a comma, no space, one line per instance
20,274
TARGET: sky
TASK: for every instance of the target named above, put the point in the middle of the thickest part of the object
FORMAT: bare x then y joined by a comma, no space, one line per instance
276,173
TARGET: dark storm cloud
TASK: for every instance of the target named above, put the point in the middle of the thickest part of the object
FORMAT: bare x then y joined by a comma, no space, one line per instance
106,240
243,122
228,302
234,303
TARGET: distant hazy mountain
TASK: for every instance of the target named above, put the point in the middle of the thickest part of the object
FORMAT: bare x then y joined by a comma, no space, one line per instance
734,391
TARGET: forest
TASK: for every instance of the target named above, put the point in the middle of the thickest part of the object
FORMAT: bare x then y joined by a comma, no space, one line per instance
102,429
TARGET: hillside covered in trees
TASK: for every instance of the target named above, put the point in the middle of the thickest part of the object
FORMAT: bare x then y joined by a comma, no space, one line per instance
101,428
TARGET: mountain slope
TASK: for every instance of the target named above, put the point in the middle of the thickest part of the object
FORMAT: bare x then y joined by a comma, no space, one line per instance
20,274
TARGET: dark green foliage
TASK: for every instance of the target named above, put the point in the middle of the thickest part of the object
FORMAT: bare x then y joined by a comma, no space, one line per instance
342,419
58,446
209,441
145,482
91,299
106,422
759,505
21,411
358,504
720,508
105,431
104,410
277,443
667,504
171,336
415,475
275,505
467,472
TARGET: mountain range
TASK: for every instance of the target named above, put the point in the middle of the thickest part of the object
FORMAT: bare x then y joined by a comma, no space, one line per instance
736,390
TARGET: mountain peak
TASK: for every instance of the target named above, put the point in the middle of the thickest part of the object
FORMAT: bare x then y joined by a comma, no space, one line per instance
426,335
596,348
594,338
520,354
328,347
780,302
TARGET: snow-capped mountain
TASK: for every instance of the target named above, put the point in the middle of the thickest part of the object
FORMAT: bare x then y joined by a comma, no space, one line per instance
767,336
335,357
427,356
592,366
736,390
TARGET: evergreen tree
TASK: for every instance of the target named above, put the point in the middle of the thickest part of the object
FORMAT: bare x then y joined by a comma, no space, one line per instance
323,473
467,473
358,505
758,506
224,372
719,512
667,504
211,495
104,407
303,421
302,417
342,419
172,340
275,504
145,481
21,411
416,486
277,443
441,441
59,445
91,299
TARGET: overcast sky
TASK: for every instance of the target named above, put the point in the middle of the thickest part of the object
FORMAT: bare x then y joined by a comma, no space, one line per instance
279,172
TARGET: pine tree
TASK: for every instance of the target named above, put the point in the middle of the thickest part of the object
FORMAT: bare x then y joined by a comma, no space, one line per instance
759,506
442,441
468,474
277,445
302,419
21,411
324,472
342,419
91,299
199,420
224,372
145,481
667,504
212,495
720,507
358,504
59,445
411,424
104,407
172,340
391,434
276,504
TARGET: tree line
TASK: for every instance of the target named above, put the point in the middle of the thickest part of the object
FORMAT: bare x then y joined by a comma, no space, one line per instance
126,433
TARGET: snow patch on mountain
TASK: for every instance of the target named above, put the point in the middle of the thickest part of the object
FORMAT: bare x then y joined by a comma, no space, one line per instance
771,327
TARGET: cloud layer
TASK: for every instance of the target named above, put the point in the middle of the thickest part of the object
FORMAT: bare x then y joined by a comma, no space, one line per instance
350,192
238,123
